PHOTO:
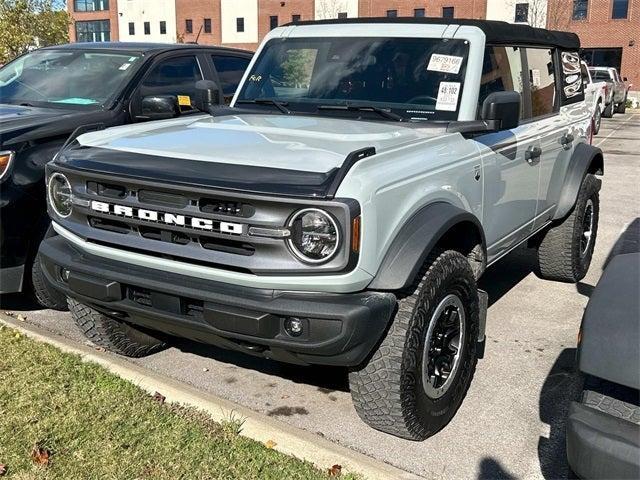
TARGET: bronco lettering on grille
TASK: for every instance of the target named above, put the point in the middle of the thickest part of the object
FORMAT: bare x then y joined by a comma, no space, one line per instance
167,218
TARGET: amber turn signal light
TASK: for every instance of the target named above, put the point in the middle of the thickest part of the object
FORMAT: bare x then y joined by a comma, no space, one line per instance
355,235
6,158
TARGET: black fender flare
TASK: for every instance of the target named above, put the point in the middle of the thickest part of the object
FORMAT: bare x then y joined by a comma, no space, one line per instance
416,239
585,158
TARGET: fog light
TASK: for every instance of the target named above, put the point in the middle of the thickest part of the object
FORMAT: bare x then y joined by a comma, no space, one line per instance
65,274
293,326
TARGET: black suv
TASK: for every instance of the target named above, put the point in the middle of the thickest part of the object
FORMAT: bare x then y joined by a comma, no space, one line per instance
47,94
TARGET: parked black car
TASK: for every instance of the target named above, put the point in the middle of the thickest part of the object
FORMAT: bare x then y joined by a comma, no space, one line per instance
603,428
48,93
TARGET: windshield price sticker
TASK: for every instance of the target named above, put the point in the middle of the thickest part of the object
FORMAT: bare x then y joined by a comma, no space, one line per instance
448,96
444,63
184,100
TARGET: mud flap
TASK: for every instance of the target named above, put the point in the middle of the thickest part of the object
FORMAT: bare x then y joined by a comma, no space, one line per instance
483,298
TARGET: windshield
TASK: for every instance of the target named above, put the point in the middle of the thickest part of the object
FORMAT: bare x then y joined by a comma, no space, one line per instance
84,79
415,78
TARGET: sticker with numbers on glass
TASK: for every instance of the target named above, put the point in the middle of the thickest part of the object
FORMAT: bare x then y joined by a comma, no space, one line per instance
448,94
444,63
184,100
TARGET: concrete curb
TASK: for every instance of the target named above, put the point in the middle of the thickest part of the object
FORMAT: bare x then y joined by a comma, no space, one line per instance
289,440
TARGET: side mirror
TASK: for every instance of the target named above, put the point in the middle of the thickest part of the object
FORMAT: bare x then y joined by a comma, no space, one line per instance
501,110
207,95
159,107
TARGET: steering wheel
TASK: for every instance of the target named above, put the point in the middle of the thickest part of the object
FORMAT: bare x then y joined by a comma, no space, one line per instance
423,100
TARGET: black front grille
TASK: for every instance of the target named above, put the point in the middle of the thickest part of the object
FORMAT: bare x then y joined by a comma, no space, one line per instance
164,235
109,225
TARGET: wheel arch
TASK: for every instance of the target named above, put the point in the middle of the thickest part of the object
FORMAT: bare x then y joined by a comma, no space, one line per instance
439,224
585,159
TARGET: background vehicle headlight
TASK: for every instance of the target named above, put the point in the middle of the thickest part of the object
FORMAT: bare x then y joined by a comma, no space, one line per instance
315,236
60,195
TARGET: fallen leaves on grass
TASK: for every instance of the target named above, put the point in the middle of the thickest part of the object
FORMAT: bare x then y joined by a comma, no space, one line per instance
335,471
158,397
270,444
3,469
40,455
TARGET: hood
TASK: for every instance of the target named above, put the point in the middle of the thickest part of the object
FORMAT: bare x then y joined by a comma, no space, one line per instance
301,143
17,121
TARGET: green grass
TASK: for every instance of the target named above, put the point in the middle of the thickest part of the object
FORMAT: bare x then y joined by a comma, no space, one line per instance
99,426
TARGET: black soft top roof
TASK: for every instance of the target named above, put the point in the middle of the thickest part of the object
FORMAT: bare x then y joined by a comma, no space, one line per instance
498,33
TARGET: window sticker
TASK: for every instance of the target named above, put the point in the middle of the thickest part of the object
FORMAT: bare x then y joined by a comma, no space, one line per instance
124,66
444,63
535,77
184,100
448,94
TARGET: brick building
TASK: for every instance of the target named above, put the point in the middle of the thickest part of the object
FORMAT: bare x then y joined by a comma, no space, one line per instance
94,20
609,32
422,8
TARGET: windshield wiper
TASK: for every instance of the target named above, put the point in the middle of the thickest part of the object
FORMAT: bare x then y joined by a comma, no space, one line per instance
269,101
364,108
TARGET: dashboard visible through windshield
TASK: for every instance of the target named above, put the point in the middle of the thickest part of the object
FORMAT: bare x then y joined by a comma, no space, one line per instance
81,79
410,78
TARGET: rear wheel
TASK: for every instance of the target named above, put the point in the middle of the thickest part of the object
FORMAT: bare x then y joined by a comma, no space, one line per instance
418,376
608,111
565,251
114,335
622,106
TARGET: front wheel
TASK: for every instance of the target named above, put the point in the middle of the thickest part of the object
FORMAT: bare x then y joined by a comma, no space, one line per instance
416,379
565,251
113,334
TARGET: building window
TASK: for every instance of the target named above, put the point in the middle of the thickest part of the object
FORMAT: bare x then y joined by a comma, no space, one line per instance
188,25
90,5
418,12
295,18
273,22
448,12
207,25
580,9
132,28
163,28
522,12
342,15
620,9
392,13
93,31
147,28
240,24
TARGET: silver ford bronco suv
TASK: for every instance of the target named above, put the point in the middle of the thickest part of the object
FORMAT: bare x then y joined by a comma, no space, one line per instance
341,210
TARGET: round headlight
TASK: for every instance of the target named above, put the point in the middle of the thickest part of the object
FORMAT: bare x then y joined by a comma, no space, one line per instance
60,195
314,235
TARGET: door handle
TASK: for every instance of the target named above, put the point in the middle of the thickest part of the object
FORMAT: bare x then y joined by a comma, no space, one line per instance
567,139
532,155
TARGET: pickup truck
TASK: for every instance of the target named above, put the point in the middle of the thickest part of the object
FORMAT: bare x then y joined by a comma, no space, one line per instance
47,94
620,88
597,94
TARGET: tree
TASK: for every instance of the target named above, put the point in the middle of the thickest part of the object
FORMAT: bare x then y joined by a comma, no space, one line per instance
330,8
29,24
559,15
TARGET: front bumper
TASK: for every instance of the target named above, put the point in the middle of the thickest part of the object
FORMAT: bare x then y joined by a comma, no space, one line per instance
338,329
602,446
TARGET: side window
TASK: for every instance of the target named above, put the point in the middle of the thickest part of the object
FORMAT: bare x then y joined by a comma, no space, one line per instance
542,80
502,71
230,71
174,76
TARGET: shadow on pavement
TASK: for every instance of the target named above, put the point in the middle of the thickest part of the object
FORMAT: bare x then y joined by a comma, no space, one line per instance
555,397
327,379
499,279
490,469
627,242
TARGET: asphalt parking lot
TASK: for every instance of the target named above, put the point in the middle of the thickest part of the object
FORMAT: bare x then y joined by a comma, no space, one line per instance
511,425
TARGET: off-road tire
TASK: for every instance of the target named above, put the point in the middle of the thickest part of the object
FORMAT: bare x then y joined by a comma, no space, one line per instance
45,294
559,252
622,106
608,111
387,391
597,118
113,334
